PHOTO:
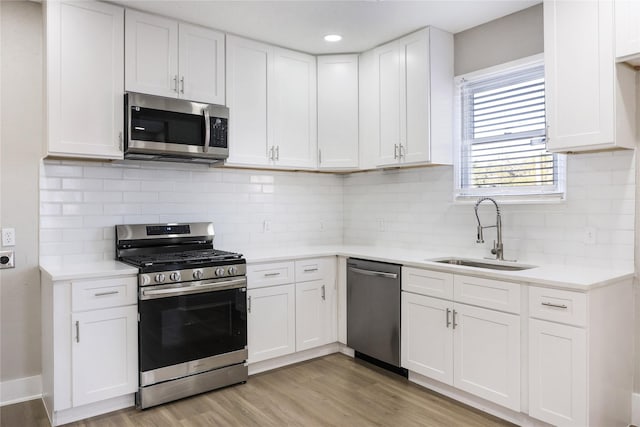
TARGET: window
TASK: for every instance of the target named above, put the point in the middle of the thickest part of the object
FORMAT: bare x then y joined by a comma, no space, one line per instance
503,133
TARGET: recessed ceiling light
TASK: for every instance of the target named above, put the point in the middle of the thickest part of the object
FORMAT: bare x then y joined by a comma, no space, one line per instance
333,38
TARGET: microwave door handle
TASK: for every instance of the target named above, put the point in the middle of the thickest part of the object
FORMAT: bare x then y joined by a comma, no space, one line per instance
207,130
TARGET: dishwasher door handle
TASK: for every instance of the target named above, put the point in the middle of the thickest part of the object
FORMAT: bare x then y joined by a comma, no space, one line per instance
374,273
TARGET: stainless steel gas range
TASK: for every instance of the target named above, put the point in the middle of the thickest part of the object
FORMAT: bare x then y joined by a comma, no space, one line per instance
192,310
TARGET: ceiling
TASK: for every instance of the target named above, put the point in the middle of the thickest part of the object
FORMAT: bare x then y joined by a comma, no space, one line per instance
301,25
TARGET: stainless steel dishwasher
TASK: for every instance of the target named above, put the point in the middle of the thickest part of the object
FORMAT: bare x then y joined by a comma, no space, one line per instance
373,310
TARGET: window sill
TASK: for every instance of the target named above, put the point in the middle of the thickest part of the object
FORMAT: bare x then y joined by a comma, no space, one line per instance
513,199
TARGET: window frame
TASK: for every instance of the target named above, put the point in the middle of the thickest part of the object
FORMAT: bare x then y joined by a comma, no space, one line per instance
515,194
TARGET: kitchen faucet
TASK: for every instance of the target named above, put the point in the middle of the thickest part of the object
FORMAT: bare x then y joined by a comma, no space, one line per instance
498,248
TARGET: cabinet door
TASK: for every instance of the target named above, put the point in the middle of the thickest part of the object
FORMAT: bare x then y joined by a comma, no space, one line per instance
271,322
487,354
104,354
294,109
313,311
557,373
627,16
579,74
249,68
414,129
337,111
151,51
389,63
427,336
85,57
201,59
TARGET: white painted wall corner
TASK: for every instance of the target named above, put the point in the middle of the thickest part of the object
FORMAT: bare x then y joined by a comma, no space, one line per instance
20,390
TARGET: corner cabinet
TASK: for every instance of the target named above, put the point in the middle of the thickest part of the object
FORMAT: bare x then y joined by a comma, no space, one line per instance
165,57
89,346
337,112
415,88
591,101
272,95
84,56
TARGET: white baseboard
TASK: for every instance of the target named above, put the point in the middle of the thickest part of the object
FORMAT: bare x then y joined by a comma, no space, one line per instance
20,390
635,409
93,409
289,359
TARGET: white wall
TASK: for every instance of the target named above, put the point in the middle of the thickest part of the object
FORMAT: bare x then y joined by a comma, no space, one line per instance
82,201
20,150
416,209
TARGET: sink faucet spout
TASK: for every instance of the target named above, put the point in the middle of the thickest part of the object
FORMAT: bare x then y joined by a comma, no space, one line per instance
498,247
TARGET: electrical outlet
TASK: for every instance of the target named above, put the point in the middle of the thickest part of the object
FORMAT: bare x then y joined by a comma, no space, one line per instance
7,259
590,235
8,237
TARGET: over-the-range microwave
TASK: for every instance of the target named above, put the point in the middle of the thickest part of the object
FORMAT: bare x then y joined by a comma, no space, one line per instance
159,128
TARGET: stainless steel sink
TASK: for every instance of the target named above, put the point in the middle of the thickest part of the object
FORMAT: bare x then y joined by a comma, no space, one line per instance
497,265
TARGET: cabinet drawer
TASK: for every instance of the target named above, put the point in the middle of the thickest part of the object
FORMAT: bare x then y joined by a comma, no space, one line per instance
558,305
425,282
487,293
269,274
103,293
311,269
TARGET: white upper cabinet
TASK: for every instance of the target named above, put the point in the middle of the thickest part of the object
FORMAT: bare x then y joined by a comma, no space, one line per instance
590,101
178,60
249,65
271,95
294,109
627,17
85,85
415,98
337,112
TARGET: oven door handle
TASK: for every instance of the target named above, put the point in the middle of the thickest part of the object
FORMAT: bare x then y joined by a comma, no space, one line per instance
193,288
207,130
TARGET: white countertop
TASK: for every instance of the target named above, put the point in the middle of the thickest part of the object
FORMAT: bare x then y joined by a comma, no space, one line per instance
578,278
558,276
88,270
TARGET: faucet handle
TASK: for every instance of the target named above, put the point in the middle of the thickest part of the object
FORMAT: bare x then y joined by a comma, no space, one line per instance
494,251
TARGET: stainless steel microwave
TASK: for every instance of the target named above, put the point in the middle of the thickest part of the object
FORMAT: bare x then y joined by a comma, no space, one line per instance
159,128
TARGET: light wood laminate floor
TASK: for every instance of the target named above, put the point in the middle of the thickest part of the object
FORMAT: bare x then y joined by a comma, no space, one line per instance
334,390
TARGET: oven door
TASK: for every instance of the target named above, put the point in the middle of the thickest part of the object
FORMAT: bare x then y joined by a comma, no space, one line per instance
190,328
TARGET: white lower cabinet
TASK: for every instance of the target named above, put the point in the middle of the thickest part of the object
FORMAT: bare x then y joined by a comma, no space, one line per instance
557,373
271,327
111,332
291,317
474,349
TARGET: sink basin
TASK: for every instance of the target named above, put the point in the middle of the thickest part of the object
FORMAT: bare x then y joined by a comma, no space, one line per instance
491,265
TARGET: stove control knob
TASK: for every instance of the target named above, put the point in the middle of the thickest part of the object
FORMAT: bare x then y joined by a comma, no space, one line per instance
175,276
233,271
197,274
145,280
219,271
159,278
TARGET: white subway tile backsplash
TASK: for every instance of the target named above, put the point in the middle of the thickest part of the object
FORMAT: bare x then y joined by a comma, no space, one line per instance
81,202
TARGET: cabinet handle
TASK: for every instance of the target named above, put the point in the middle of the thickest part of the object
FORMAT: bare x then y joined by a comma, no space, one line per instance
175,83
395,151
120,141
271,274
324,296
400,149
182,84
77,331
308,270
271,153
249,304
454,319
319,156
277,152
102,294
549,304
448,321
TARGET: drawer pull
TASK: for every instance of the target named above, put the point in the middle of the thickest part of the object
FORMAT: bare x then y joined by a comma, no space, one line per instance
309,270
549,304
102,294
271,274
448,321
324,295
77,331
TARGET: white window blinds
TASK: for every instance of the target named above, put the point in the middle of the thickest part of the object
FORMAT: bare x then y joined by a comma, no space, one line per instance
503,135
